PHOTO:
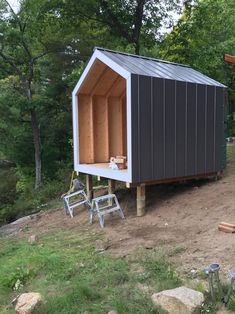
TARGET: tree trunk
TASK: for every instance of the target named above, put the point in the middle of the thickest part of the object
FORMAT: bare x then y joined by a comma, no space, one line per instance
138,24
37,149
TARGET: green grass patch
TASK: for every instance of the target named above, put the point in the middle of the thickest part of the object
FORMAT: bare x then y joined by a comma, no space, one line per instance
74,278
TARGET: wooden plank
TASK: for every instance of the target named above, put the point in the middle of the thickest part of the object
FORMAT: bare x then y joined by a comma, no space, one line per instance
226,229
92,77
109,91
124,126
170,180
101,142
115,126
119,88
229,58
98,80
104,82
227,224
86,141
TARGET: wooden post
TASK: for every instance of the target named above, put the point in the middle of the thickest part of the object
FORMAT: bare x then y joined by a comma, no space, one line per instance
111,186
89,186
140,200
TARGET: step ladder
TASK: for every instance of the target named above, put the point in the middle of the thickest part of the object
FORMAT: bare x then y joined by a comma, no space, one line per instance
74,200
103,205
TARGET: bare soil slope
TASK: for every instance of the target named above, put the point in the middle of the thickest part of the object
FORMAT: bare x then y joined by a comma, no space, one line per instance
182,218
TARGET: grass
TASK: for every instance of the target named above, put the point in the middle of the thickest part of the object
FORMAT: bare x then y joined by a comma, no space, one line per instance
74,278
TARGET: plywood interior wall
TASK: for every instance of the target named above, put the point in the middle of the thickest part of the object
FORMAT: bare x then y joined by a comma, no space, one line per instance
102,116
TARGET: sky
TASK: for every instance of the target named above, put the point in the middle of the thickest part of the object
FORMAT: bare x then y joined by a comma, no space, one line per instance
14,4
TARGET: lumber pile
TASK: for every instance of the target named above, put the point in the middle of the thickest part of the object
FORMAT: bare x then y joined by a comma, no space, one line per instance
226,227
120,161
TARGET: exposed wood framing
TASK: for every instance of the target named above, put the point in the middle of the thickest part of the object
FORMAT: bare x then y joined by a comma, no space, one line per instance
86,138
118,78
99,78
101,140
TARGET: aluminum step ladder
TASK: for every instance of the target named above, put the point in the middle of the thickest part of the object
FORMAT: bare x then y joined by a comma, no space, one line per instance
74,200
103,205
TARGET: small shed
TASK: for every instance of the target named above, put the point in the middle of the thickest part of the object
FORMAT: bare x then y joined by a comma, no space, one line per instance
166,118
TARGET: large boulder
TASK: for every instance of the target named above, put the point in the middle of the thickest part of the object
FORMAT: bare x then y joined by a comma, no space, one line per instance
28,302
181,300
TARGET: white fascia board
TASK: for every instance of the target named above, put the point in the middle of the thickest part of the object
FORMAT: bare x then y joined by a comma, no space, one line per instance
106,60
129,128
75,129
119,175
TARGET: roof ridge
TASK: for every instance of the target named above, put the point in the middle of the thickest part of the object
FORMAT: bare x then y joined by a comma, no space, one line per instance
141,57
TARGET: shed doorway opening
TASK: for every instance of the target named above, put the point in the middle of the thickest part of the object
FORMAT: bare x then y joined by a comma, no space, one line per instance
102,122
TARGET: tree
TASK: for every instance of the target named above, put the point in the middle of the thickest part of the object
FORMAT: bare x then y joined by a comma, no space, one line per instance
125,23
26,38
202,36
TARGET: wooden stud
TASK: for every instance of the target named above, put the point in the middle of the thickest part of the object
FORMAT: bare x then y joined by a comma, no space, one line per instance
115,127
89,186
100,124
140,200
86,133
118,78
92,92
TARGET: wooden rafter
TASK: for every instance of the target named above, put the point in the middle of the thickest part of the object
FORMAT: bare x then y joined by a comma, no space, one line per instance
118,78
98,80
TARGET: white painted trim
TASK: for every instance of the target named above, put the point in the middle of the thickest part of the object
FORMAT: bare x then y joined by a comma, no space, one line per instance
129,129
106,60
75,129
125,176
119,175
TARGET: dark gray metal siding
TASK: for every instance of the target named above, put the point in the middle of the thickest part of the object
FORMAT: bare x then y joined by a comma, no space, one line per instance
177,128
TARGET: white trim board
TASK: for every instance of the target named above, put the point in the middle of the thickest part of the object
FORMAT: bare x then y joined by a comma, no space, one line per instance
119,175
125,176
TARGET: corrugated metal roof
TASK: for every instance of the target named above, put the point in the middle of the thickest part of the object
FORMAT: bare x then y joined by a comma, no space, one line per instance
158,68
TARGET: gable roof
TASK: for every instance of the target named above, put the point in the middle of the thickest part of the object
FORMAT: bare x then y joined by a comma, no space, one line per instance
157,68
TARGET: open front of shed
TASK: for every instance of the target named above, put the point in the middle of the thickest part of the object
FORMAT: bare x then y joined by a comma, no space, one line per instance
165,118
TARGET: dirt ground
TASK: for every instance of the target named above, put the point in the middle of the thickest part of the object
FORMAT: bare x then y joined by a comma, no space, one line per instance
181,218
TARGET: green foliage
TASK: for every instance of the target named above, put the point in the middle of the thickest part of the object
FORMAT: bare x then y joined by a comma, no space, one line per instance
202,36
18,278
159,273
62,266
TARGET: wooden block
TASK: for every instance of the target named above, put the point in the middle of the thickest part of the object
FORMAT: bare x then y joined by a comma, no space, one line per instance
119,160
121,157
226,229
227,224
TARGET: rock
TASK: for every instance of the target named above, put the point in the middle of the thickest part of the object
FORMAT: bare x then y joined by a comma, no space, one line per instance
101,246
21,220
112,312
181,300
28,302
33,239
